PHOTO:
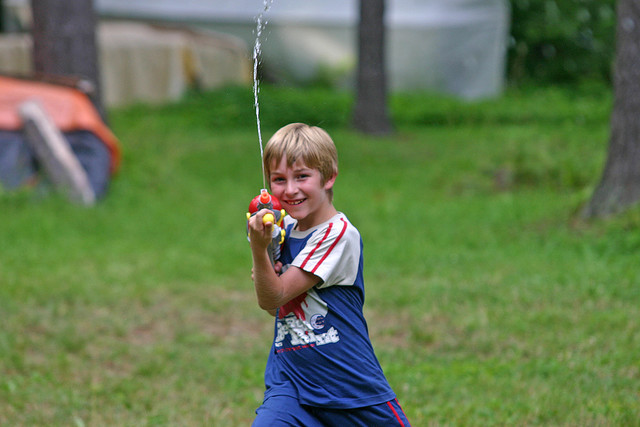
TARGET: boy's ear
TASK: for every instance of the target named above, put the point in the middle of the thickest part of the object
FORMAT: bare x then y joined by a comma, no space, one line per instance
328,185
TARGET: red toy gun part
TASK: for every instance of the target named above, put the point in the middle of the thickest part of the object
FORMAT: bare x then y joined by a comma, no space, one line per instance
266,201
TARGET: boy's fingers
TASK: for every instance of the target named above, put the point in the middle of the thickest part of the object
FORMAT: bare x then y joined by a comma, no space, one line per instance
262,221
266,218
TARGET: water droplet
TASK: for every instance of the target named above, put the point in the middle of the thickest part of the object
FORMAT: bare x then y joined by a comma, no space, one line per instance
628,24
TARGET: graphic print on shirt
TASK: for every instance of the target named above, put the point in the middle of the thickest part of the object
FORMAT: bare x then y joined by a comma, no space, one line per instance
302,320
321,352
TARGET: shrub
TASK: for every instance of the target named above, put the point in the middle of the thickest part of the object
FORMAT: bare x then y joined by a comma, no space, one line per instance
566,41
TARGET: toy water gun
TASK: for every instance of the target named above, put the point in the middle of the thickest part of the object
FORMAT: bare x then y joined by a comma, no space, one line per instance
266,201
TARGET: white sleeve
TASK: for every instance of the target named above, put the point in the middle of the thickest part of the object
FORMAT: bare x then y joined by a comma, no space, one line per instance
332,254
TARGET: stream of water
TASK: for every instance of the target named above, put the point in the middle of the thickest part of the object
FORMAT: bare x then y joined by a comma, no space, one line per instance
257,50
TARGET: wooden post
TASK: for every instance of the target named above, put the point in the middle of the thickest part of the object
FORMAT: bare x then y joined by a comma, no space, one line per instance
54,154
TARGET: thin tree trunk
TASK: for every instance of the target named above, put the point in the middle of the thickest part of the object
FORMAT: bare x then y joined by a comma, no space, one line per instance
620,184
370,113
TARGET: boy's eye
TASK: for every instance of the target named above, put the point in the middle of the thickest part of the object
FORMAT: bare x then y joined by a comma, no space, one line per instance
303,176
277,180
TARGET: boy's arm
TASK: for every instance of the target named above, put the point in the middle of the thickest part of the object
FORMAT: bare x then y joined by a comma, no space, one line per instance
273,291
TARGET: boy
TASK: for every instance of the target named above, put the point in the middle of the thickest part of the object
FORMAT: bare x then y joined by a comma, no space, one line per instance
322,370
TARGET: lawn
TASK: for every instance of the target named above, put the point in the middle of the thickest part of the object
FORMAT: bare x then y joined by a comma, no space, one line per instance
489,300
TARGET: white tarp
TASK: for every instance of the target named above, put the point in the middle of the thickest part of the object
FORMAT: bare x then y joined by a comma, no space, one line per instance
456,46
337,12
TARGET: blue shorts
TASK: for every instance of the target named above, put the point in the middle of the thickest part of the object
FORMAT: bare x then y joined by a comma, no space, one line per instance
287,411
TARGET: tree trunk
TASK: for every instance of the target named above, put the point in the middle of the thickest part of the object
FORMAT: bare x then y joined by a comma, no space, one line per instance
620,184
370,113
2,17
64,41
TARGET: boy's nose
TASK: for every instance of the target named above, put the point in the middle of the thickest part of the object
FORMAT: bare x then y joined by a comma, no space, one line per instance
291,188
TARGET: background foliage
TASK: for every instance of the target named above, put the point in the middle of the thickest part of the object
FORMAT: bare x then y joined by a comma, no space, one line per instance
561,41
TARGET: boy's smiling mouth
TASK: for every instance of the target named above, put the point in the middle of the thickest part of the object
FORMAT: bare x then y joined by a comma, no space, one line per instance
294,202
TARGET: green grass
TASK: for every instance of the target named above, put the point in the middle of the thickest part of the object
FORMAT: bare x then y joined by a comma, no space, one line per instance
490,302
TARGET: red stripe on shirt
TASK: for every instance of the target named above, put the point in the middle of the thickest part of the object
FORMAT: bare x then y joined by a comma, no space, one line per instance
344,228
326,234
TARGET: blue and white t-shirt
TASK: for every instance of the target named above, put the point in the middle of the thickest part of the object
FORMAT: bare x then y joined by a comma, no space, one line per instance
321,352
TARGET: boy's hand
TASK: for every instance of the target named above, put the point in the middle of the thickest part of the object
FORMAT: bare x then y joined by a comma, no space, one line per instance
277,267
260,229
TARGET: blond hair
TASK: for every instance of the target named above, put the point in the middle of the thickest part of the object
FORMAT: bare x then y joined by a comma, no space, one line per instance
311,144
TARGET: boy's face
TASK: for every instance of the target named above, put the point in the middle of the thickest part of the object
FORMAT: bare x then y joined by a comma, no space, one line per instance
302,193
